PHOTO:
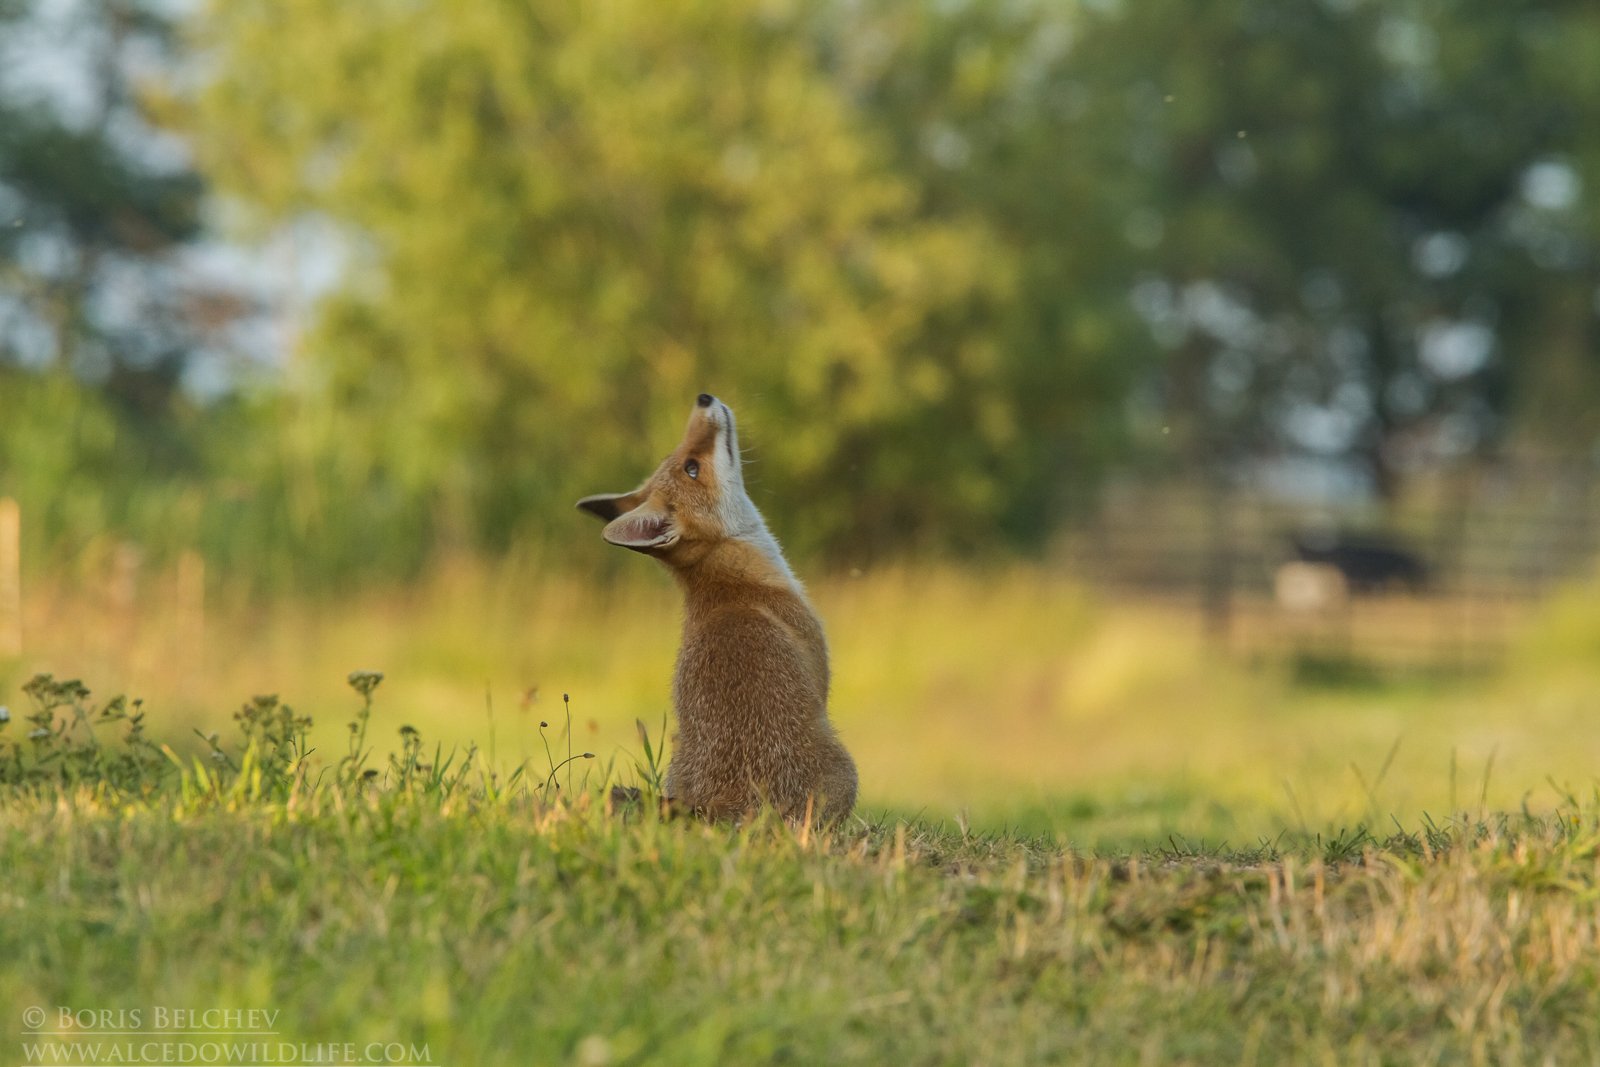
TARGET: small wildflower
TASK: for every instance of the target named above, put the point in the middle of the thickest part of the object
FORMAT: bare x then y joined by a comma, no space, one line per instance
218,757
39,733
5,713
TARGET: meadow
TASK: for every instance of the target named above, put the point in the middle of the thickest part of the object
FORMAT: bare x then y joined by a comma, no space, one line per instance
1085,836
1008,697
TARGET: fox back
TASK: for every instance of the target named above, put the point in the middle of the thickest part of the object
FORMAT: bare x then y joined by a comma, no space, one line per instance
751,685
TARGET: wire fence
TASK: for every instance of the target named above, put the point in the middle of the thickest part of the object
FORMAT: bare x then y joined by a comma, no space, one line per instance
1439,581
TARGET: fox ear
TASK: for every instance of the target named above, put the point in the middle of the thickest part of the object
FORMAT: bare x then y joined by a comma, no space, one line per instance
641,529
609,505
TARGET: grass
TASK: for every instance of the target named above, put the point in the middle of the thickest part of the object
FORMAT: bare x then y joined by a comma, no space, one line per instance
1084,838
1009,698
461,924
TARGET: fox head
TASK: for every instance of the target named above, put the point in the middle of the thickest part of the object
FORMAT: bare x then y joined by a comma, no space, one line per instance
695,500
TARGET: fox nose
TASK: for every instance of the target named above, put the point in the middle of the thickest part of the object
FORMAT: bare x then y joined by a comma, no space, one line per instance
705,400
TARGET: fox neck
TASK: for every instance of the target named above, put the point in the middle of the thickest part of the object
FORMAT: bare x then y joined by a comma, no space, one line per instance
751,557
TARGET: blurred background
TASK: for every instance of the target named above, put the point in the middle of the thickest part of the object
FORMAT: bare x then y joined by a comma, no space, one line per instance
1186,416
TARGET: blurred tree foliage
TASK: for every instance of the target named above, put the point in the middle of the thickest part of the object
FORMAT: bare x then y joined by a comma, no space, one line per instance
1367,229
94,205
98,317
950,262
574,218
986,113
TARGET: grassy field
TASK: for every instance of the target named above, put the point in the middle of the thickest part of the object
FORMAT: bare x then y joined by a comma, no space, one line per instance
1008,698
1085,838
446,926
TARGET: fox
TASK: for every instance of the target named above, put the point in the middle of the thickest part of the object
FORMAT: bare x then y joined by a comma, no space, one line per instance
750,688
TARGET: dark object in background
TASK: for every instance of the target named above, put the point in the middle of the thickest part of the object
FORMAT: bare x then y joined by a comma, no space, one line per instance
1370,563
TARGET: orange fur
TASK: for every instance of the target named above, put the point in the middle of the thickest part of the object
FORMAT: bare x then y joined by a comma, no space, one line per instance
751,684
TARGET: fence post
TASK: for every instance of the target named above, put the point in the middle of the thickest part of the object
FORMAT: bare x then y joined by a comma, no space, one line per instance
10,578
1217,581
192,611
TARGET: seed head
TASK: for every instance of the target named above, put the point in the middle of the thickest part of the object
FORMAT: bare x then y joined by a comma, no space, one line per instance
364,682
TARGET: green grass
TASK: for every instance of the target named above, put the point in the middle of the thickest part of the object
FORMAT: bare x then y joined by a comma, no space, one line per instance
450,917
1085,837
508,931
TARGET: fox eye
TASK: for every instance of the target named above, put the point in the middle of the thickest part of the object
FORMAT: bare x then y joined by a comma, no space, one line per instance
692,468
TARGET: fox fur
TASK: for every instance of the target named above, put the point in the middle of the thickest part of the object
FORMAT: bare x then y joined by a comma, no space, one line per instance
751,685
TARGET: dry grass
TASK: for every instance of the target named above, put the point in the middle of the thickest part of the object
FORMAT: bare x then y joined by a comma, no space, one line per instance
1007,694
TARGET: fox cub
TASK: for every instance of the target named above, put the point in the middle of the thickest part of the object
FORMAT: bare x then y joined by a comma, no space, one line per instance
751,685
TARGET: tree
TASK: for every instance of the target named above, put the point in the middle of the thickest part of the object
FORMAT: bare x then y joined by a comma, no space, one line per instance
102,312
1359,220
96,207
985,108
564,221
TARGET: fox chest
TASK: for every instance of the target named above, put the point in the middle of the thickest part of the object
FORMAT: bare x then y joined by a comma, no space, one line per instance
728,681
